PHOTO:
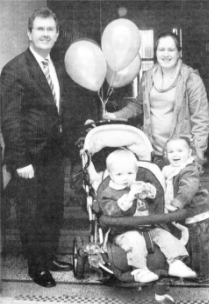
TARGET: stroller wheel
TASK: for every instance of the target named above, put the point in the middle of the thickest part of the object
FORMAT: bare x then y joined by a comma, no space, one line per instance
79,258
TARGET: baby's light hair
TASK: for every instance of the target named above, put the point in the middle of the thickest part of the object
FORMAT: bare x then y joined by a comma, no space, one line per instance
119,157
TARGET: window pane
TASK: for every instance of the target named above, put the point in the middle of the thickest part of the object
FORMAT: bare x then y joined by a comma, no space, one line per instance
178,32
147,44
146,65
146,52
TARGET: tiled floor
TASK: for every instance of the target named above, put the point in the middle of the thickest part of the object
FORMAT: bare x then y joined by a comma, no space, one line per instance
18,288
15,269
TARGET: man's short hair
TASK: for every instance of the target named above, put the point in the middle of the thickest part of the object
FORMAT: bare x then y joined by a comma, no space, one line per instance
43,12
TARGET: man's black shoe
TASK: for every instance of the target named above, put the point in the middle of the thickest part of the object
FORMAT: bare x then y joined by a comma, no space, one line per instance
57,265
43,278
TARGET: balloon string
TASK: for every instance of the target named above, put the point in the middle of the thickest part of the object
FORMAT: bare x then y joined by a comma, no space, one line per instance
100,96
110,86
109,94
103,103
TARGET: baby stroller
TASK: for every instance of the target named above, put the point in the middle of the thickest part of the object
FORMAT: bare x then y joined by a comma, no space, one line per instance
100,253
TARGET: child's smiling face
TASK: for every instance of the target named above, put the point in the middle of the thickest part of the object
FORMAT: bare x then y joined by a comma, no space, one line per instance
178,152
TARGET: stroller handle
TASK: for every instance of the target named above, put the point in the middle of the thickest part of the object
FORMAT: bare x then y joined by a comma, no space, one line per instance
102,122
133,221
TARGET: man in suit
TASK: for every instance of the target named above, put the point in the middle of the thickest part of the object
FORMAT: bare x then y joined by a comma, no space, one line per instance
31,99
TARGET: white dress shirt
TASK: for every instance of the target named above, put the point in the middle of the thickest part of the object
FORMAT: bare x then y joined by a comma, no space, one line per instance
52,72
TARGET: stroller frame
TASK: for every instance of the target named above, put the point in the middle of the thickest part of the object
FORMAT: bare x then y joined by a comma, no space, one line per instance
81,251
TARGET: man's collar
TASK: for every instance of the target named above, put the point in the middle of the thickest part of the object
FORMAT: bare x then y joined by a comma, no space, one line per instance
38,57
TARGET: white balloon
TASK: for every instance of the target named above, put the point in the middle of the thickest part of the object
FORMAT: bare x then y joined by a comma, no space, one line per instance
125,76
86,65
120,43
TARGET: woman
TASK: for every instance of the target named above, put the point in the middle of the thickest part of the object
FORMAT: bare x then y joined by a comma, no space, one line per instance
172,101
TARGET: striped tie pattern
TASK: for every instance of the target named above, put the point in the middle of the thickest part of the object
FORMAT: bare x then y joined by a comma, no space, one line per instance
48,78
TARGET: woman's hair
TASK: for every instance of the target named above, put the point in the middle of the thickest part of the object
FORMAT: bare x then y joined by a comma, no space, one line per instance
119,157
43,12
169,34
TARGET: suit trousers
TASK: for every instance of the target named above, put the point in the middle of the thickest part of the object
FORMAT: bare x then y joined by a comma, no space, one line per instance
40,208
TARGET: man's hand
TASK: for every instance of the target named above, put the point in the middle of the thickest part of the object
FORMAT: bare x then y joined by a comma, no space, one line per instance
26,172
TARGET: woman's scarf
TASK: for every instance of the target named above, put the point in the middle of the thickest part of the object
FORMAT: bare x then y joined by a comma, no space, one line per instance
158,78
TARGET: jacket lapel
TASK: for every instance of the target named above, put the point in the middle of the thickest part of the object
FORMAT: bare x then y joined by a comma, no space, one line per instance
39,78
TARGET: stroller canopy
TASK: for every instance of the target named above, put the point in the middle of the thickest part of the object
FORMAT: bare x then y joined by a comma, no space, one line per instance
119,135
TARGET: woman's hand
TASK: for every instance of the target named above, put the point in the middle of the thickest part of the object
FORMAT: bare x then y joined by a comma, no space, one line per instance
109,116
89,122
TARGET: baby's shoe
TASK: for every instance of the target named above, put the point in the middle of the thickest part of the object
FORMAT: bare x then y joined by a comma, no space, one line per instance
165,299
144,275
179,269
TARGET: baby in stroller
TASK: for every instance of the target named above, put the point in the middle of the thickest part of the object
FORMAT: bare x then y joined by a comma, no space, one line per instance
124,196
101,250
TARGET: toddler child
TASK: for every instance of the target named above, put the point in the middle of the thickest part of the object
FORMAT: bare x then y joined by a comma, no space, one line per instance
125,196
183,190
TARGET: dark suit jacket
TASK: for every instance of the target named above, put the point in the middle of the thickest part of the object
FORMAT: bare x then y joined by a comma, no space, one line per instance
30,119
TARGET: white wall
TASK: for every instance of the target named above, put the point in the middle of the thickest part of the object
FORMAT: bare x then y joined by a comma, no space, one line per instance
13,26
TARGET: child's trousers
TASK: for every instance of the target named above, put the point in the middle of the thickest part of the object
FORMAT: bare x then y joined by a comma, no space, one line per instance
135,246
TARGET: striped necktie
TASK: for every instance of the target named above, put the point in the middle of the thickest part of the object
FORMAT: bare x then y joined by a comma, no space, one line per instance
48,78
